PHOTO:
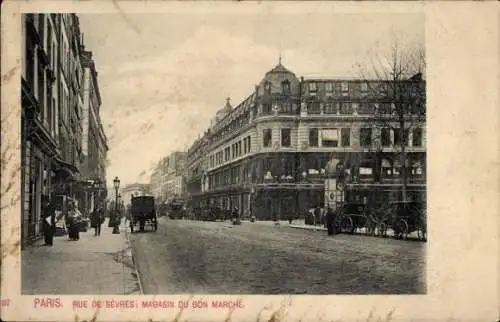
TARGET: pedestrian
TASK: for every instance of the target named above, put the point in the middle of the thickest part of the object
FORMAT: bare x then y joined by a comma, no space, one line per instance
317,216
330,221
73,221
96,220
49,221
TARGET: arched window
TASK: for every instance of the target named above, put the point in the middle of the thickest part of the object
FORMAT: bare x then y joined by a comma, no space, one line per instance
285,87
267,87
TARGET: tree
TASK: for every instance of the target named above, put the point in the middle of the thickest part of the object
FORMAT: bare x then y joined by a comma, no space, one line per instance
396,89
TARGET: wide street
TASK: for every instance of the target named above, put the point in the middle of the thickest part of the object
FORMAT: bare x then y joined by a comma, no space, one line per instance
255,258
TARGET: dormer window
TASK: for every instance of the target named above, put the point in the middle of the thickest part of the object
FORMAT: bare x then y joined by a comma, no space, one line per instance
285,87
312,87
267,86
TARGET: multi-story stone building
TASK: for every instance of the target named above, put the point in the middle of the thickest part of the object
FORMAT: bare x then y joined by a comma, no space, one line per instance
173,175
269,155
94,145
132,190
51,139
168,180
155,182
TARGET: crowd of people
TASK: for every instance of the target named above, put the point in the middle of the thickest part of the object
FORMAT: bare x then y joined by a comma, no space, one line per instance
73,220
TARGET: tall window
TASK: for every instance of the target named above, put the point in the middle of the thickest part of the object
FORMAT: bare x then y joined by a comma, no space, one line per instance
364,87
330,108
285,87
344,87
267,108
286,107
267,135
312,87
313,107
249,144
417,137
313,137
267,87
41,88
329,87
386,137
49,45
239,149
365,137
245,145
397,137
286,140
345,137
345,108
330,137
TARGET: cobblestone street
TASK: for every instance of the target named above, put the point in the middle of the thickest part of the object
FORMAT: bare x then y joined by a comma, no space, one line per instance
214,257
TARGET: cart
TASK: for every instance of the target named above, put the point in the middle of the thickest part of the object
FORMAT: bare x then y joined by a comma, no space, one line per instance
353,216
143,212
409,217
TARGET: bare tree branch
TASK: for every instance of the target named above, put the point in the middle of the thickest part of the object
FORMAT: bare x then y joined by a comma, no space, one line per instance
396,84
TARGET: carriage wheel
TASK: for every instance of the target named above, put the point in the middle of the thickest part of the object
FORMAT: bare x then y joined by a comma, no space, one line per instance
132,228
403,229
370,226
349,225
382,230
422,232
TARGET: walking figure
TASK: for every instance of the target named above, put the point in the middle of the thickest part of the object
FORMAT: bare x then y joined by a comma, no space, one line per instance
97,219
49,221
73,222
330,221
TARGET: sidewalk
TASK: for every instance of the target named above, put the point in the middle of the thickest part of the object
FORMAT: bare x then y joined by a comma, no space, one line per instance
91,265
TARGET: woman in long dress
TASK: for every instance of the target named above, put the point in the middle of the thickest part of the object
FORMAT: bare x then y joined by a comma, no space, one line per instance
73,222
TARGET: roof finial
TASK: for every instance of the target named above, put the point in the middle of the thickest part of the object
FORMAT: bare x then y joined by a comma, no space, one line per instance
280,49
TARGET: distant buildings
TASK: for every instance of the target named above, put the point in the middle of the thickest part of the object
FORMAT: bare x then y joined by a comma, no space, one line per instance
133,190
54,132
167,180
268,155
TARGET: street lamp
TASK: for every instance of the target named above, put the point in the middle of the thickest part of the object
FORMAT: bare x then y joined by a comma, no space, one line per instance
116,184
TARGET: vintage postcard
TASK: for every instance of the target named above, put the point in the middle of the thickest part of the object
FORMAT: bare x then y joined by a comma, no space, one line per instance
250,161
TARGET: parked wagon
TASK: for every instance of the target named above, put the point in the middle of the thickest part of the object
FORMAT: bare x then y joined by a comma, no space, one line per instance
353,216
409,217
143,212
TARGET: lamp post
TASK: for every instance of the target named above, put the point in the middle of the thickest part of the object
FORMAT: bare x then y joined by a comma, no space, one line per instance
115,218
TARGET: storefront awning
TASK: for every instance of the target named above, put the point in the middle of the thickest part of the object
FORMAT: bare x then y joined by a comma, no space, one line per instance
65,169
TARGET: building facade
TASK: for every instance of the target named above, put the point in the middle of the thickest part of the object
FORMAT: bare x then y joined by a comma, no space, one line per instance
132,190
269,155
51,113
168,178
93,140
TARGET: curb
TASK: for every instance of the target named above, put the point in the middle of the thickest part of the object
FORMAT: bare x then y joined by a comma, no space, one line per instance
307,228
136,271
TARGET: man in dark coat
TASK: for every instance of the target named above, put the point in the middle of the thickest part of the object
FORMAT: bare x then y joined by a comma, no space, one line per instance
96,220
330,221
49,221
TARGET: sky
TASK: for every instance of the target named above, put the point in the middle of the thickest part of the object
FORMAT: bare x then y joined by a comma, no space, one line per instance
163,76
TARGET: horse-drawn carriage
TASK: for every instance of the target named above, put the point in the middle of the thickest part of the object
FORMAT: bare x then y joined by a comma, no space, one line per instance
143,212
403,218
